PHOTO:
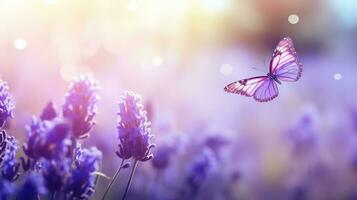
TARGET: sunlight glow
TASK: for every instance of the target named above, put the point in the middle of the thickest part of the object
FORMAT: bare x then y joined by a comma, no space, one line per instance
68,72
20,44
226,69
157,61
216,5
132,6
50,2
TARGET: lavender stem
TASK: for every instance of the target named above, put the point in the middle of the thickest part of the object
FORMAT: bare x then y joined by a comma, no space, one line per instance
113,179
130,178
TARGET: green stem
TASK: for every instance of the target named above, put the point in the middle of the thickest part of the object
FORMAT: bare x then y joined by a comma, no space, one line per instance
113,179
130,179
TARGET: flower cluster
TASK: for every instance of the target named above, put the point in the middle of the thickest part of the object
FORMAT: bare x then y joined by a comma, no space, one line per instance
47,139
6,103
55,163
133,129
55,173
32,187
81,182
50,147
81,104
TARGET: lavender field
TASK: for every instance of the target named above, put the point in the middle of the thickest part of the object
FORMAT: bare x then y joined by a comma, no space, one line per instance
124,99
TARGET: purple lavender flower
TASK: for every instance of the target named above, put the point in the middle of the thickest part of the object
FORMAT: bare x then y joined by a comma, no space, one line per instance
6,103
162,157
6,188
49,112
81,183
216,143
199,170
133,129
300,192
47,139
81,104
10,167
32,187
303,136
55,173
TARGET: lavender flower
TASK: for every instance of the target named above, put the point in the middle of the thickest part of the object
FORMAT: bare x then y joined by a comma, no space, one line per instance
81,104
300,192
81,183
32,187
133,129
303,136
199,170
6,188
6,103
49,112
55,174
216,143
10,167
47,139
162,157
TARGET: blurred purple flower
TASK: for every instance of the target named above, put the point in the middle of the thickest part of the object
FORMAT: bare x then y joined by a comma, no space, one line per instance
162,157
303,136
300,192
81,183
10,167
6,188
49,112
199,170
47,139
55,173
133,129
32,187
6,103
216,143
81,104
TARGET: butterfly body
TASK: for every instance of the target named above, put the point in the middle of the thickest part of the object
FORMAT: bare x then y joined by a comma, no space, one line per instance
284,66
273,77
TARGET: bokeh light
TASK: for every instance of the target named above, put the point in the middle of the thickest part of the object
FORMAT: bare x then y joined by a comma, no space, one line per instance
293,19
157,61
337,76
226,69
20,44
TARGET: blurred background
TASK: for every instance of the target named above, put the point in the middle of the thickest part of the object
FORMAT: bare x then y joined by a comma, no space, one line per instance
179,54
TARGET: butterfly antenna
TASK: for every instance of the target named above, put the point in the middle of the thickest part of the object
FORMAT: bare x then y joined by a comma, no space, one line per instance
258,69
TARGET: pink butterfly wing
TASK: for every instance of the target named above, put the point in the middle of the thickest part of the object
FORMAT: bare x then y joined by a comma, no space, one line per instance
246,87
284,63
267,91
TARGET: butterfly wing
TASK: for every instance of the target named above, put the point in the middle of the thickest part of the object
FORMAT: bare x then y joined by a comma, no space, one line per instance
267,91
284,63
246,87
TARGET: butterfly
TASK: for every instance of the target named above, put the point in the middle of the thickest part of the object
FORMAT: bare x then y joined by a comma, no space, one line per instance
284,66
